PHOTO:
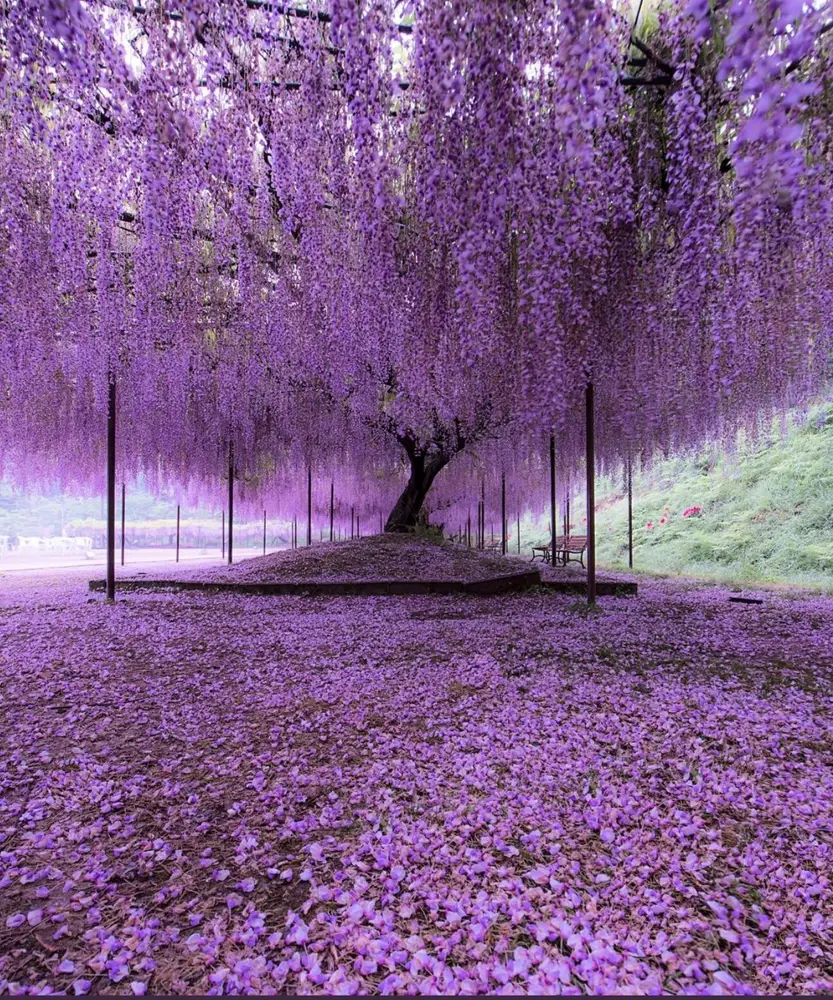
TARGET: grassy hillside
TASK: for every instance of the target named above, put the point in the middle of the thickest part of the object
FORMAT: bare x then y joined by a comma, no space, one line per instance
767,511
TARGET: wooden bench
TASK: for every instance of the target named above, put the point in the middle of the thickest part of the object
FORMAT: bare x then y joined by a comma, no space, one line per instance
570,545
566,546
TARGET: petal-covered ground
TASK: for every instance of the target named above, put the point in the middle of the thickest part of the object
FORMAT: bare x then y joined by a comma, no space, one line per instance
204,793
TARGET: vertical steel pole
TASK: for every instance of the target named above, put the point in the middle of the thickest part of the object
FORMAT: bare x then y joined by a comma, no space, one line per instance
309,505
503,513
177,532
482,513
111,490
630,515
122,524
264,532
590,449
553,522
230,501
332,506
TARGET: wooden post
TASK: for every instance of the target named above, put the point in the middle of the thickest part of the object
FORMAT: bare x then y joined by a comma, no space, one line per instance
503,513
309,505
630,515
590,457
230,501
264,532
177,532
332,507
111,490
553,522
122,524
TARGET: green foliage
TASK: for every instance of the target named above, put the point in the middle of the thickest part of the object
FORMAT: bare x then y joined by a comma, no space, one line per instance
767,511
34,515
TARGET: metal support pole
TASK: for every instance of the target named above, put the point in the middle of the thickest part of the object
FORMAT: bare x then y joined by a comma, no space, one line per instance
332,507
230,501
630,515
177,532
122,524
264,532
482,542
309,506
590,449
553,522
111,490
503,513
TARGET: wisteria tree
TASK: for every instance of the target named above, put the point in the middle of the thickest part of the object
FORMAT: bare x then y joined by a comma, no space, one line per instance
407,222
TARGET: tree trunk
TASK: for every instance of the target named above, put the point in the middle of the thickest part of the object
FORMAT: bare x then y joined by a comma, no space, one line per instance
424,469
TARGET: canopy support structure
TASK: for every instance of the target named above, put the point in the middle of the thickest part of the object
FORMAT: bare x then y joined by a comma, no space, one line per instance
230,501
122,524
590,456
630,514
553,523
111,489
309,506
503,531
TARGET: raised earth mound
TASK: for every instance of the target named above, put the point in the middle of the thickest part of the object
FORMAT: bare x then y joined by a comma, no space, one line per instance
378,557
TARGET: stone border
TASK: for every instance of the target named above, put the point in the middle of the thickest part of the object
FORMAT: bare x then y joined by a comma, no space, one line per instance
334,588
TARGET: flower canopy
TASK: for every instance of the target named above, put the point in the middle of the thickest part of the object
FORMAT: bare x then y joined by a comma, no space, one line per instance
325,232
